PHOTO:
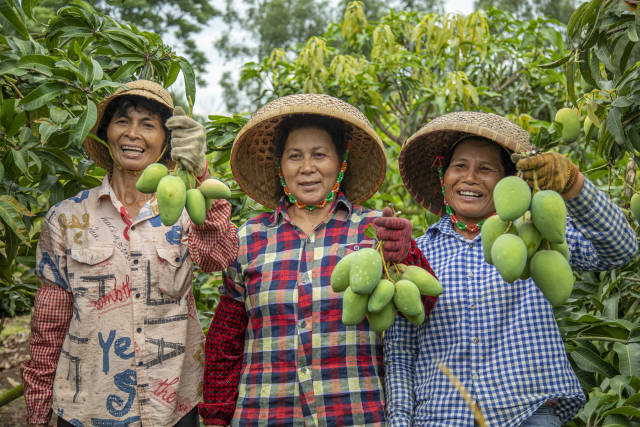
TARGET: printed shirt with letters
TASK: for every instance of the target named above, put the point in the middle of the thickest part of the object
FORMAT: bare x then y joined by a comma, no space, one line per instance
133,350
301,365
499,339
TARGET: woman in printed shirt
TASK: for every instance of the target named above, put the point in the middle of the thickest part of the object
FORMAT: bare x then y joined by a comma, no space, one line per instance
277,351
115,334
500,339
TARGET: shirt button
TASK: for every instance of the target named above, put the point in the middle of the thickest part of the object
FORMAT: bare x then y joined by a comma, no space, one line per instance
140,363
470,275
177,259
302,324
475,377
472,306
137,295
135,261
475,340
133,227
139,330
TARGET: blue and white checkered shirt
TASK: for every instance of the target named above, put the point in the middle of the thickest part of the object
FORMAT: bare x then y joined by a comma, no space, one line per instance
500,339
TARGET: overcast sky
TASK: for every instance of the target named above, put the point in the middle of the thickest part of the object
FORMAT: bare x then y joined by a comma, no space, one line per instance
208,99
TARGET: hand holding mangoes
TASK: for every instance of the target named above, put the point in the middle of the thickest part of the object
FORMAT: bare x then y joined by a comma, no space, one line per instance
176,190
378,291
527,238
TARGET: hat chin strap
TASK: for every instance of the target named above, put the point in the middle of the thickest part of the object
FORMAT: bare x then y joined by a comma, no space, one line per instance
131,171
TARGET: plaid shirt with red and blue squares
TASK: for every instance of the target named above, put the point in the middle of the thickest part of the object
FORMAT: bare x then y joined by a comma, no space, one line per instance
301,365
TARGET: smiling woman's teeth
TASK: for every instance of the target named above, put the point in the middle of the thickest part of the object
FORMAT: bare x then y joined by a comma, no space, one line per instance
128,148
469,193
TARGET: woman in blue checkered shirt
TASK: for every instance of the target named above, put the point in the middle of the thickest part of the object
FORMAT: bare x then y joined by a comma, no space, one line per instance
499,339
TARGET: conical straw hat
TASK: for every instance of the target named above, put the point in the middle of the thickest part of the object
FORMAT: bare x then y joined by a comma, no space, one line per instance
253,156
145,88
417,160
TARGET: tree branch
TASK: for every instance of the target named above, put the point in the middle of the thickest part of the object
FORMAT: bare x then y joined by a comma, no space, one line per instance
386,131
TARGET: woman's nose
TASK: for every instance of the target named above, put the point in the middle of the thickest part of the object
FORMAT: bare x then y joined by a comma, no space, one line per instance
307,164
132,131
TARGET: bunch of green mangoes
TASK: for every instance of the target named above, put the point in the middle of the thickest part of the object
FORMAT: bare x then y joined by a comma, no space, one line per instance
526,239
178,189
369,293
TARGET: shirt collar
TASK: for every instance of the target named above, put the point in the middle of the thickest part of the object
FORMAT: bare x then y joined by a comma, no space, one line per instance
280,214
445,226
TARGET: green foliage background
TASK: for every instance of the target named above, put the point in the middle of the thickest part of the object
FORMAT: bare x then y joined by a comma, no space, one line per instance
402,69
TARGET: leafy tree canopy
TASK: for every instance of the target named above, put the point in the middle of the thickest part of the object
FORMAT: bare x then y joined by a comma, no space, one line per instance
528,9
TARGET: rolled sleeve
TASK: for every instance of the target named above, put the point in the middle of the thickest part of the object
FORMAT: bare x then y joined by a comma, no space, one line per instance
602,237
214,244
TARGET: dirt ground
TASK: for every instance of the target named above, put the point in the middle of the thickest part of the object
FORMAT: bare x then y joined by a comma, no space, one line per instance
14,349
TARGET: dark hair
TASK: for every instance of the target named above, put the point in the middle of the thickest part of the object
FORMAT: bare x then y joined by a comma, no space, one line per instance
505,156
121,104
334,128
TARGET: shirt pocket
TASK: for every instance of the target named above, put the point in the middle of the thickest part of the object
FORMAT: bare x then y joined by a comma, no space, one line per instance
173,271
91,272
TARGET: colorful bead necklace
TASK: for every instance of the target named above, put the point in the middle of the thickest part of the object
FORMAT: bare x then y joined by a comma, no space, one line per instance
330,196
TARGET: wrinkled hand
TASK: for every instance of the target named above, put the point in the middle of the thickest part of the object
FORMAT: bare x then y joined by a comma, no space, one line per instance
188,142
553,171
396,234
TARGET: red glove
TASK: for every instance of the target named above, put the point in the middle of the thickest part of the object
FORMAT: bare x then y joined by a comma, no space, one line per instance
396,234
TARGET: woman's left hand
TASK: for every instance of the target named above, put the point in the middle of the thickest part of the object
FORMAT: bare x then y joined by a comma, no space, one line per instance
396,234
553,171
188,142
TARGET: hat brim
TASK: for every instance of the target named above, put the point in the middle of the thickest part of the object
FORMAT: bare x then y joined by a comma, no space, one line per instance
253,155
143,88
424,151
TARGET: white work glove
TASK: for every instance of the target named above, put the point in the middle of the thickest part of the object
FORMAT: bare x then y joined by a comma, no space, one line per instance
188,142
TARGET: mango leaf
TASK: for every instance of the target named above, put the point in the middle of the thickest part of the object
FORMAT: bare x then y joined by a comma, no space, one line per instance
189,80
370,232
41,95
628,357
27,7
623,410
15,19
614,125
11,211
85,123
590,361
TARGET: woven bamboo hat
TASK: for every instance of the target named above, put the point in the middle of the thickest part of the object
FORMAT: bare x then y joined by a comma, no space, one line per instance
145,88
254,157
417,160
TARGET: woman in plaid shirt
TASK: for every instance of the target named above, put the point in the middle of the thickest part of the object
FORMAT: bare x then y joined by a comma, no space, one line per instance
499,339
277,352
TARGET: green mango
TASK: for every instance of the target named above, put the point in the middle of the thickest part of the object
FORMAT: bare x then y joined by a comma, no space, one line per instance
382,294
187,177
172,196
511,197
509,255
396,270
634,206
354,307
426,282
151,176
340,275
568,118
407,298
215,189
382,319
196,206
208,204
563,248
530,235
552,274
418,319
365,271
525,273
549,215
491,229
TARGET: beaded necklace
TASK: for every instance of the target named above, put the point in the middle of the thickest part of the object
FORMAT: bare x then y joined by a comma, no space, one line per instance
330,196
471,228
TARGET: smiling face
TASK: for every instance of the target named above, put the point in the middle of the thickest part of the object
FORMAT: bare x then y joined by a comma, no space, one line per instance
474,170
136,137
310,164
